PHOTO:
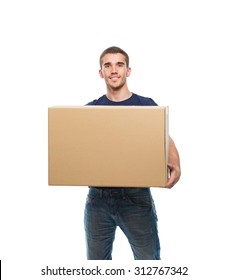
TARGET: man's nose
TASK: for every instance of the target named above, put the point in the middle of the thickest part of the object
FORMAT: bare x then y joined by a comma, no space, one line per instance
114,69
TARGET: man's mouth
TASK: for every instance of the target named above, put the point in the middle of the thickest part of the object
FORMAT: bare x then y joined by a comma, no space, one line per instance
114,78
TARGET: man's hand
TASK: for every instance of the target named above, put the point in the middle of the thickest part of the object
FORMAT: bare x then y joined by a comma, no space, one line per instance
174,175
173,165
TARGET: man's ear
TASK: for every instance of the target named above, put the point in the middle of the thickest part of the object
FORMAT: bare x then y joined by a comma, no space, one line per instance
128,71
101,74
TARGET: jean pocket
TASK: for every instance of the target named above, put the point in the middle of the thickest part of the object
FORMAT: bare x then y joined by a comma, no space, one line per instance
140,200
91,197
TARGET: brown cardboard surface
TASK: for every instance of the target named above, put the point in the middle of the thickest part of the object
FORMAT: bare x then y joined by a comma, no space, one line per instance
108,146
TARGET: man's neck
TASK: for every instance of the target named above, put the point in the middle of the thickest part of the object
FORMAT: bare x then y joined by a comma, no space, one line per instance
118,96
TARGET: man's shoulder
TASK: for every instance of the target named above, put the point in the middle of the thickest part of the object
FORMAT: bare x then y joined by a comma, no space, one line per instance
101,100
145,101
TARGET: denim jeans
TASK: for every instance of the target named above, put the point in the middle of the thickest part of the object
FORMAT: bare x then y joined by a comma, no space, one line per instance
133,210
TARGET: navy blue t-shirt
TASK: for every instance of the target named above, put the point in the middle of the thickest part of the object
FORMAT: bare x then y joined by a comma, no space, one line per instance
134,100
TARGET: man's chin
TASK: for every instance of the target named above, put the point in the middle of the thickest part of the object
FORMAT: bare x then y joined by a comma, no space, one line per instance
115,86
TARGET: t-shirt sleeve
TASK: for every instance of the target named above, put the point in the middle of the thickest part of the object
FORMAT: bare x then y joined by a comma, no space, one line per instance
151,102
91,103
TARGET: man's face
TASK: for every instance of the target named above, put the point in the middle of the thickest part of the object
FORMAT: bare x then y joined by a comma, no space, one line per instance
114,70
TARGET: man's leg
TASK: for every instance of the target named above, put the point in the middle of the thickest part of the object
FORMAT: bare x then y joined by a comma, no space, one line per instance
138,220
99,226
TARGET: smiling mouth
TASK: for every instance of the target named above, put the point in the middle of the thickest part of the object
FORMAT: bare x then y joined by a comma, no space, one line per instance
114,78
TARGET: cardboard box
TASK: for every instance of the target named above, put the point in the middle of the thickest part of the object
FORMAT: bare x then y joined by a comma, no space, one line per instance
108,146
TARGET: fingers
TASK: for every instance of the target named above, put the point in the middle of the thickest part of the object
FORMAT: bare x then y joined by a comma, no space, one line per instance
174,176
170,184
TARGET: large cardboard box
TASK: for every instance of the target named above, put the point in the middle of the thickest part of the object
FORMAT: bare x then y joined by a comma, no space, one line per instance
108,146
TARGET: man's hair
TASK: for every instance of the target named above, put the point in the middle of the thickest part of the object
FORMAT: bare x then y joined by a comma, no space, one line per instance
114,50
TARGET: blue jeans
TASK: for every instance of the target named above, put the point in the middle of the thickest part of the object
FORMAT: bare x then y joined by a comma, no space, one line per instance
133,210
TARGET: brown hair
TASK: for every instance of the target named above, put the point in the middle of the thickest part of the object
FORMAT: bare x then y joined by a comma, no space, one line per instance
114,50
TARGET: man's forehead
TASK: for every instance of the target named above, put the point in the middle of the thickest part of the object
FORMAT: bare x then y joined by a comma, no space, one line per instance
113,58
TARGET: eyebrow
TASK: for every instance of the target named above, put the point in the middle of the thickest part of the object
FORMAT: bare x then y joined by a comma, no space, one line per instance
109,63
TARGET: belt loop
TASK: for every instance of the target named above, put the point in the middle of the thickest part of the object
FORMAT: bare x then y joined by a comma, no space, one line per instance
123,193
101,193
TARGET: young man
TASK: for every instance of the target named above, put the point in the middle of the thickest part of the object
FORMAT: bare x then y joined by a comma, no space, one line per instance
132,209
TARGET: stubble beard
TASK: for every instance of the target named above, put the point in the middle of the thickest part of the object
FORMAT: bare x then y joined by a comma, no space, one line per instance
115,87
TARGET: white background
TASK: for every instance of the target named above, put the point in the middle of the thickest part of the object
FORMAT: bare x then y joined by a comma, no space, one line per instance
49,53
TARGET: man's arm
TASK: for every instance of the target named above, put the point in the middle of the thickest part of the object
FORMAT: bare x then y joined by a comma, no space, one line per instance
173,164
